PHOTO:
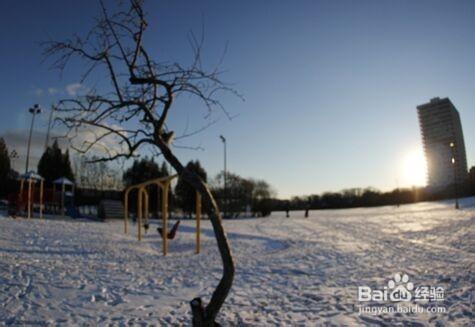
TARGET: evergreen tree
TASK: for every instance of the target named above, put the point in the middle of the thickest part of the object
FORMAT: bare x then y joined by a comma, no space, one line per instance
141,171
66,166
4,166
54,164
164,170
184,193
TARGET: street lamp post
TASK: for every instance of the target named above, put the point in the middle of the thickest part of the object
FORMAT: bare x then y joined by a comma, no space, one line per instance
225,177
452,147
34,111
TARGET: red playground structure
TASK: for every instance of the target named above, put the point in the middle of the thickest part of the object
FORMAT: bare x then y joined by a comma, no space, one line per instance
34,197
30,195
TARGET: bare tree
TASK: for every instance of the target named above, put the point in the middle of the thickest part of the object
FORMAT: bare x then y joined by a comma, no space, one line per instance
97,175
134,113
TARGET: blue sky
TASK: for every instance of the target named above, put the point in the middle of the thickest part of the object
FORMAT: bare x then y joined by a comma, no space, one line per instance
330,87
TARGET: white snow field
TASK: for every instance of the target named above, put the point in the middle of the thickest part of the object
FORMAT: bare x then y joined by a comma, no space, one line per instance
292,271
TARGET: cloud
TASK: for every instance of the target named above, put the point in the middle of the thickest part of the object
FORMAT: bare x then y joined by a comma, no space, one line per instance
104,146
52,91
17,139
73,89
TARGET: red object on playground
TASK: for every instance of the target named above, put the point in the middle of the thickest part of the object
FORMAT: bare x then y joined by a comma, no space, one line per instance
15,204
171,234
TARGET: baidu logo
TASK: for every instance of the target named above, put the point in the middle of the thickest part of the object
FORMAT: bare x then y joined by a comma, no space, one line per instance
398,289
401,296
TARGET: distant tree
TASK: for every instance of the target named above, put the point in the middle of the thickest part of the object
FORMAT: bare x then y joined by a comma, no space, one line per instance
164,169
66,166
472,179
261,194
243,192
54,164
185,193
97,175
4,167
50,162
261,189
237,195
332,200
143,170
370,197
314,201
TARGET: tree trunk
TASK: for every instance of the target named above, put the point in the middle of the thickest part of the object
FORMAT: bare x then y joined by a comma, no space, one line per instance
205,316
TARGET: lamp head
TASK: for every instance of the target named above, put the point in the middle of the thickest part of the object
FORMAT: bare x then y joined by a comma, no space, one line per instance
35,110
14,154
222,138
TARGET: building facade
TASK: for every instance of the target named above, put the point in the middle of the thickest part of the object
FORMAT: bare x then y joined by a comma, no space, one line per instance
442,138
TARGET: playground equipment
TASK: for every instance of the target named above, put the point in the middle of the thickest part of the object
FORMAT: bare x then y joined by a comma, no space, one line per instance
33,191
31,178
171,234
143,210
66,196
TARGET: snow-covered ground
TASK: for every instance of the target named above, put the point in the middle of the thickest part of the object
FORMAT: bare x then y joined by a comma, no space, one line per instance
293,271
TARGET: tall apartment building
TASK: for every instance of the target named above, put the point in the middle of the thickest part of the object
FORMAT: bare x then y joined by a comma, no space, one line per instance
440,126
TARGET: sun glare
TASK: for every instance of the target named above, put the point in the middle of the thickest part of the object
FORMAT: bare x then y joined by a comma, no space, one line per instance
415,169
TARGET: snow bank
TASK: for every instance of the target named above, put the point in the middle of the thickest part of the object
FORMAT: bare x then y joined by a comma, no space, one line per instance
289,271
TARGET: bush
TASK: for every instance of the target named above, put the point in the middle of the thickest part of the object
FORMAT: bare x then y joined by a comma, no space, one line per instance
263,207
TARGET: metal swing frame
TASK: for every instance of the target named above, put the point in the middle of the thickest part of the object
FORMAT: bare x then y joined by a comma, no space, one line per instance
162,183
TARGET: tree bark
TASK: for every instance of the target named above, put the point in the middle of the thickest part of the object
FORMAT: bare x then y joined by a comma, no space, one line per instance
205,316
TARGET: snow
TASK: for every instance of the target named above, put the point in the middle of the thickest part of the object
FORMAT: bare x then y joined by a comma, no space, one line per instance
294,271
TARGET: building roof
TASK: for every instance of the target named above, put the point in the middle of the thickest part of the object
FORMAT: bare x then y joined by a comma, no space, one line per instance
31,175
63,180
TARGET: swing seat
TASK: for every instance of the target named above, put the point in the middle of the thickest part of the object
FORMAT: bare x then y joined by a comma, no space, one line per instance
172,233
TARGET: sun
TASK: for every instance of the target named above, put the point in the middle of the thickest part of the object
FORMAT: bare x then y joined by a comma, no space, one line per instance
415,168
